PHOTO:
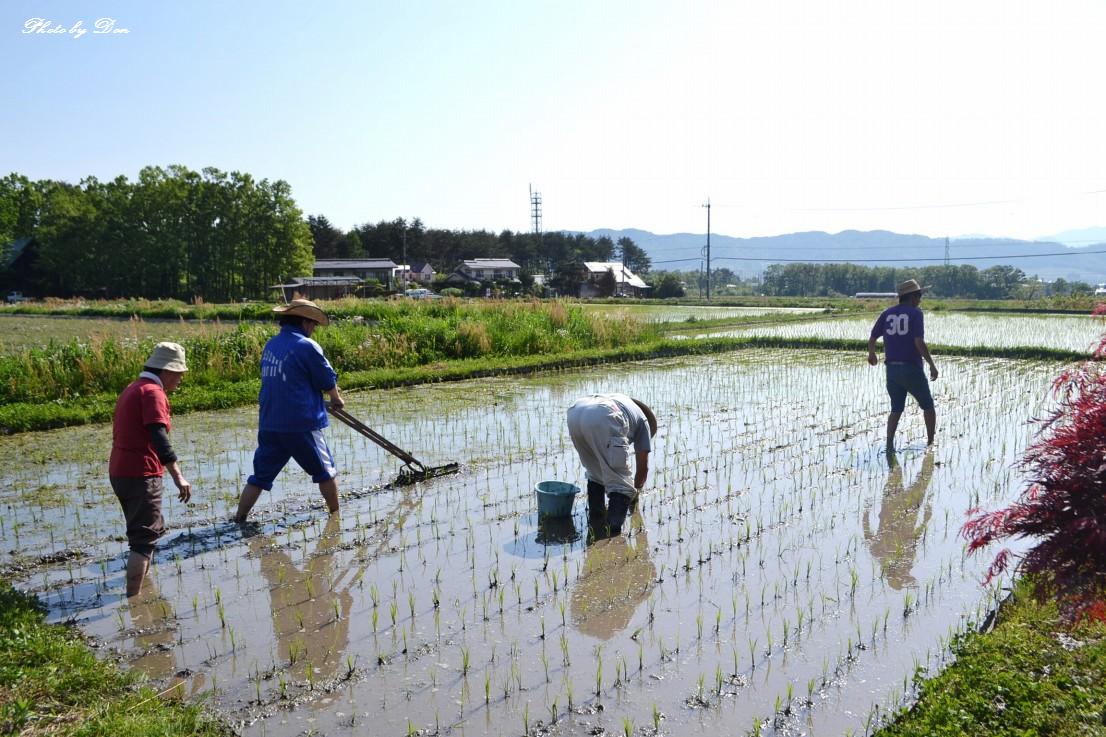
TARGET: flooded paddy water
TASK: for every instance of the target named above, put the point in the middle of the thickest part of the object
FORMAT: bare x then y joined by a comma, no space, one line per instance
692,313
783,575
1062,332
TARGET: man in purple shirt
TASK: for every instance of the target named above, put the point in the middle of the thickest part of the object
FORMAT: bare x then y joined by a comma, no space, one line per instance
903,331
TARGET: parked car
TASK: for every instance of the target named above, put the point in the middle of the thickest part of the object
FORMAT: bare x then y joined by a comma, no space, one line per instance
15,298
420,293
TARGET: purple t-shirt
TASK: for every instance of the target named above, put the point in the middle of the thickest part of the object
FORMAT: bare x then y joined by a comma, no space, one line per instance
899,326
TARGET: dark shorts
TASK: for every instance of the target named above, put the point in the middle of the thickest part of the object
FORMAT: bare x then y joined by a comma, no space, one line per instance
140,499
908,378
274,449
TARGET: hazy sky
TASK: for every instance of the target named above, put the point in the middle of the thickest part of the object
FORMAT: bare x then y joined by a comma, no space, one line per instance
941,118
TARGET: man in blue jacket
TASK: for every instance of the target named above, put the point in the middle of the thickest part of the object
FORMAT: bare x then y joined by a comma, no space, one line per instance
903,332
294,376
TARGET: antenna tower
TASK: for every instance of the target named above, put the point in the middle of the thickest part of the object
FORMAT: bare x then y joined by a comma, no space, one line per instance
535,210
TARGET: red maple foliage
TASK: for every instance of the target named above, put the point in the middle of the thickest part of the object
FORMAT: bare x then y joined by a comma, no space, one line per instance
1064,507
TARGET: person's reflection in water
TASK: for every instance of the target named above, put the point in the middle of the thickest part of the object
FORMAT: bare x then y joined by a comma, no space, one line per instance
896,542
618,575
155,632
304,601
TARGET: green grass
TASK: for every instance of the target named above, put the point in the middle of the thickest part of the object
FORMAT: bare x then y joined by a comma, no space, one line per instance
51,683
145,308
1017,680
389,335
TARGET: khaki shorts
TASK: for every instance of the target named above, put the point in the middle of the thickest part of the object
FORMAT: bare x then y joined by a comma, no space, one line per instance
140,499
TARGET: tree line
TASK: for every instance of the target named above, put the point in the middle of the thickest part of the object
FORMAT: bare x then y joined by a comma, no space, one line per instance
219,236
173,233
444,249
963,280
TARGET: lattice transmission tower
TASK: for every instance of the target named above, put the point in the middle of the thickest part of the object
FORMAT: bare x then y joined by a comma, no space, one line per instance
535,211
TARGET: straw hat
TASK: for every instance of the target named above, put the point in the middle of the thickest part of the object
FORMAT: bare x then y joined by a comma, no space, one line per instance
910,286
304,308
168,356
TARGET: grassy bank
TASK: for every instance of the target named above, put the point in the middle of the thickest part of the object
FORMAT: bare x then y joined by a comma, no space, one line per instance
51,683
24,416
393,335
173,309
1031,675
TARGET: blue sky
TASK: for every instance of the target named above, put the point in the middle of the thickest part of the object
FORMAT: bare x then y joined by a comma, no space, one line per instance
935,118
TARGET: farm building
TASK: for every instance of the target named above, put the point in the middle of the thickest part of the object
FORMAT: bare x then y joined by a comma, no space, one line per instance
375,269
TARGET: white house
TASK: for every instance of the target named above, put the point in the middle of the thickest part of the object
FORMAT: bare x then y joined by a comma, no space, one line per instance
627,284
490,269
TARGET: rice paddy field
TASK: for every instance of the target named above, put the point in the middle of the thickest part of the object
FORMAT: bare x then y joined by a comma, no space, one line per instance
30,331
784,574
691,313
1063,332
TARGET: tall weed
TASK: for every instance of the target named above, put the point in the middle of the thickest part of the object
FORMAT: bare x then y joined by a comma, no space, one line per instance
363,336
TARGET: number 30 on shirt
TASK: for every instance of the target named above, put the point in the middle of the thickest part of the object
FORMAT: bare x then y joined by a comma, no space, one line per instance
898,324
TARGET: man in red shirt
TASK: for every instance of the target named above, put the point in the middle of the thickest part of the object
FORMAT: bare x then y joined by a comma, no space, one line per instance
141,453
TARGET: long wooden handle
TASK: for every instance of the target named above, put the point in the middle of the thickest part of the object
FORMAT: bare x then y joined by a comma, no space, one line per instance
374,436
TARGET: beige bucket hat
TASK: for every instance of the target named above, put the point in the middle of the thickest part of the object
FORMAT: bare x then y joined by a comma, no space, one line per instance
910,286
168,356
304,308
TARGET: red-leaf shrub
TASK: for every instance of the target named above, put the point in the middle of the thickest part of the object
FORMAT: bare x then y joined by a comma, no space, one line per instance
1064,507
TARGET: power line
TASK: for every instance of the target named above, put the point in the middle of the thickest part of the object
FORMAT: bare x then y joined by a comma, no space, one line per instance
963,243
847,248
881,260
923,206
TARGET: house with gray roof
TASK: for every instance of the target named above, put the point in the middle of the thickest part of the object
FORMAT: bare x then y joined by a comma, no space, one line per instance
365,269
489,269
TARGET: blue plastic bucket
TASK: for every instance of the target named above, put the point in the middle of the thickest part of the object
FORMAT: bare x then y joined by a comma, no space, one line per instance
555,498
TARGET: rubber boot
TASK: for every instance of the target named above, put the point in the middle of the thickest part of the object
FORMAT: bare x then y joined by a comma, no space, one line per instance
597,511
616,513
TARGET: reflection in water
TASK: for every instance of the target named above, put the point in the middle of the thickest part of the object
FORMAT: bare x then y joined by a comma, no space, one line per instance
154,623
310,607
552,536
896,542
556,530
618,575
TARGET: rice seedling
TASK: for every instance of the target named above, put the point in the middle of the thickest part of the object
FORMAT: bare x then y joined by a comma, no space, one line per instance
750,505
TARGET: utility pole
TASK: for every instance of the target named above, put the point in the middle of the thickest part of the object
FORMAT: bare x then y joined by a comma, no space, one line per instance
946,250
535,222
708,247
404,269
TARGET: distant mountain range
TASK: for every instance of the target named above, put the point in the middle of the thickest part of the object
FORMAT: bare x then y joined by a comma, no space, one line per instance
1077,255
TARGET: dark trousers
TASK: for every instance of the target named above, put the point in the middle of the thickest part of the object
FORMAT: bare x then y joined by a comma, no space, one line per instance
606,519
